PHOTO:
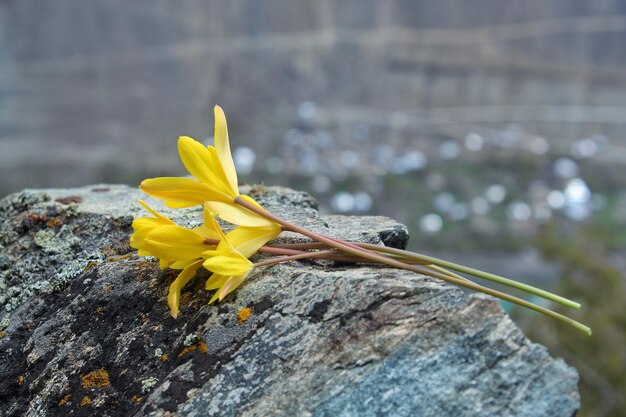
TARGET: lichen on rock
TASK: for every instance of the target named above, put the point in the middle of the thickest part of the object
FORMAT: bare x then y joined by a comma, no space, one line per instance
90,332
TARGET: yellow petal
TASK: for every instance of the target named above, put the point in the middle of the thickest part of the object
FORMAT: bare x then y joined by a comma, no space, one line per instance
248,240
235,214
164,219
182,264
182,192
228,264
211,223
208,217
232,284
203,163
215,297
163,263
144,224
206,232
173,297
215,281
142,227
222,146
175,242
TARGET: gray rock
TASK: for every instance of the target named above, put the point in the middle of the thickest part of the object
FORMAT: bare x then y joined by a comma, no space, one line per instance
86,328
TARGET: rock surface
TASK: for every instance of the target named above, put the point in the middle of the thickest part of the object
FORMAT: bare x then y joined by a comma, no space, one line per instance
85,329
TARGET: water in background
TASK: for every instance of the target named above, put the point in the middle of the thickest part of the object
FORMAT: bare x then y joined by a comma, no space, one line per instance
496,132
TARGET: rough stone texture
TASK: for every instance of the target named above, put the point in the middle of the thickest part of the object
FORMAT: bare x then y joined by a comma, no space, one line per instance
86,330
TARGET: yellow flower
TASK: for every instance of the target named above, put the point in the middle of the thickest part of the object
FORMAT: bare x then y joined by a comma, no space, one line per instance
175,246
216,179
229,261
145,225
181,248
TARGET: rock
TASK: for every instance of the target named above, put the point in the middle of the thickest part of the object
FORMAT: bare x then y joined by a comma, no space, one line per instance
85,328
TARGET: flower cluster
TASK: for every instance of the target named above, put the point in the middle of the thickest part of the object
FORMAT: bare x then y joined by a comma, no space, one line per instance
215,188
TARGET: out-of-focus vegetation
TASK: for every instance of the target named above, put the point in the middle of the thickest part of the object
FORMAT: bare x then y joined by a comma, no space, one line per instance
593,275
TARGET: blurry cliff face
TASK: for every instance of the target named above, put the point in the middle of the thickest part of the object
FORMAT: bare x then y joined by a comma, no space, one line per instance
93,91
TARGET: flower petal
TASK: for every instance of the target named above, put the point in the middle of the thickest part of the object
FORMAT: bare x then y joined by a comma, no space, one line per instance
222,146
238,215
248,240
164,219
206,232
215,281
203,163
182,264
173,297
228,264
232,284
175,242
182,192
142,227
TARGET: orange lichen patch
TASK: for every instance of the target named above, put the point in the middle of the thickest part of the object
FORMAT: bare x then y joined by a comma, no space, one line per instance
244,314
136,399
28,325
163,357
98,310
54,222
90,265
96,379
85,401
200,346
21,379
2,334
64,400
119,258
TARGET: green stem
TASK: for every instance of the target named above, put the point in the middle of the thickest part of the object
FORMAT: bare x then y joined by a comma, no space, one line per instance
459,268
364,253
477,273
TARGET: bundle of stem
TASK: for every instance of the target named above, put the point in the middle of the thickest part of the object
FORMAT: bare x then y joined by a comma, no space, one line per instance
326,247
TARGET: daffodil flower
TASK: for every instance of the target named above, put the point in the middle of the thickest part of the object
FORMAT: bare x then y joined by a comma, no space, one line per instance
216,179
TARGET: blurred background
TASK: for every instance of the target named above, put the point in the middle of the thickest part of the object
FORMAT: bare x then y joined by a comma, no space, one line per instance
494,130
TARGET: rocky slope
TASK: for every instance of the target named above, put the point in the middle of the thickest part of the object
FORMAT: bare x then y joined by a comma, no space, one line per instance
85,329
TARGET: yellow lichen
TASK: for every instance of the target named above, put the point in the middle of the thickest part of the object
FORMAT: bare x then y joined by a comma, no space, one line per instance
85,401
21,379
244,314
199,346
119,258
91,265
96,379
136,398
64,400
163,357
2,334
54,222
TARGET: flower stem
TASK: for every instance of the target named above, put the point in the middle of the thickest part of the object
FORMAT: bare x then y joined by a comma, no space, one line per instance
364,253
302,255
404,254
477,273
